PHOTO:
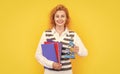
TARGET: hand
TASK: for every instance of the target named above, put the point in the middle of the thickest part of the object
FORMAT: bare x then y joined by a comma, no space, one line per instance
76,49
57,66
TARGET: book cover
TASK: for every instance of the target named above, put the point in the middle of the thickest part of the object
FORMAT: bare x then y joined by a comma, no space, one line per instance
49,52
69,52
58,48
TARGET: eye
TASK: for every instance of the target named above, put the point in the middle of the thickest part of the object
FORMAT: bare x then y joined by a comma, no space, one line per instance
57,16
62,16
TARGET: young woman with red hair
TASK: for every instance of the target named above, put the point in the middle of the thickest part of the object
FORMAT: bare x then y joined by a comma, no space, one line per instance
59,21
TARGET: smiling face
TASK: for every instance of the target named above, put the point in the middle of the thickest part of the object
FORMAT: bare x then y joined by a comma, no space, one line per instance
60,18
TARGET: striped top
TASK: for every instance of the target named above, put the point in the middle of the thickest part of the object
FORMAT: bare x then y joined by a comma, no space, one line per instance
65,38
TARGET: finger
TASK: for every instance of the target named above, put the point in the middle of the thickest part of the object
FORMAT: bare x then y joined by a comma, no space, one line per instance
75,46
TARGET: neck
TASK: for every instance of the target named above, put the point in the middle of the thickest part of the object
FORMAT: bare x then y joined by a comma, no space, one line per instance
60,29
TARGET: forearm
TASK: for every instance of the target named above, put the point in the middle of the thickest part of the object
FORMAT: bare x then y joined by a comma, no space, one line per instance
82,49
83,52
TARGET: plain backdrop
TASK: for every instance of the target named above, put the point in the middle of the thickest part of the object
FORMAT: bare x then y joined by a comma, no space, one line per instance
96,22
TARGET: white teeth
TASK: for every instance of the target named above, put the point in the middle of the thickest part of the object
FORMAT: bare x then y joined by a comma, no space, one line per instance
60,21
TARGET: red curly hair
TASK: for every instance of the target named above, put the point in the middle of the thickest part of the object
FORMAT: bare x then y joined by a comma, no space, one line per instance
54,10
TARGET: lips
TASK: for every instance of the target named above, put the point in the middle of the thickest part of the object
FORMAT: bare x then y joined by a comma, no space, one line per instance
60,21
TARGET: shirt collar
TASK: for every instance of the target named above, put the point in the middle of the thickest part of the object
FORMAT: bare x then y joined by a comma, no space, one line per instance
65,32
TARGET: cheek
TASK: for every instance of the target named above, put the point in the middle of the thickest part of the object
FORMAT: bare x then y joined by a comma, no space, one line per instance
55,19
65,19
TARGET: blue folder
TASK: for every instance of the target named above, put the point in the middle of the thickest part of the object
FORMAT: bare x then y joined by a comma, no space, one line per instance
48,51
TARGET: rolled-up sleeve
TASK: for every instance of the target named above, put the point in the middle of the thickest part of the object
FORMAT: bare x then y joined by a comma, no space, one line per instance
82,49
38,55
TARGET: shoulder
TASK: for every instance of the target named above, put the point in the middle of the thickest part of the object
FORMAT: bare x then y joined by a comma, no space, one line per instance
71,32
46,32
49,30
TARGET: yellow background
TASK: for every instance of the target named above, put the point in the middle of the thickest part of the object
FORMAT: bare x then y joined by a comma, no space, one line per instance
96,22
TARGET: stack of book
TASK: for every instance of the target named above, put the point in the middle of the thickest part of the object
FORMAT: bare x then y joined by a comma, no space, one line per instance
52,51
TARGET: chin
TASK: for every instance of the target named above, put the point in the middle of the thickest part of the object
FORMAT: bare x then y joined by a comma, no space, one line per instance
60,24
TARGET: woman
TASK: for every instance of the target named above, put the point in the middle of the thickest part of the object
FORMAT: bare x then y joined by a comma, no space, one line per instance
60,32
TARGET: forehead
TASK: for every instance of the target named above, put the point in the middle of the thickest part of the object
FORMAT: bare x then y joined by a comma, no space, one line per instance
60,12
